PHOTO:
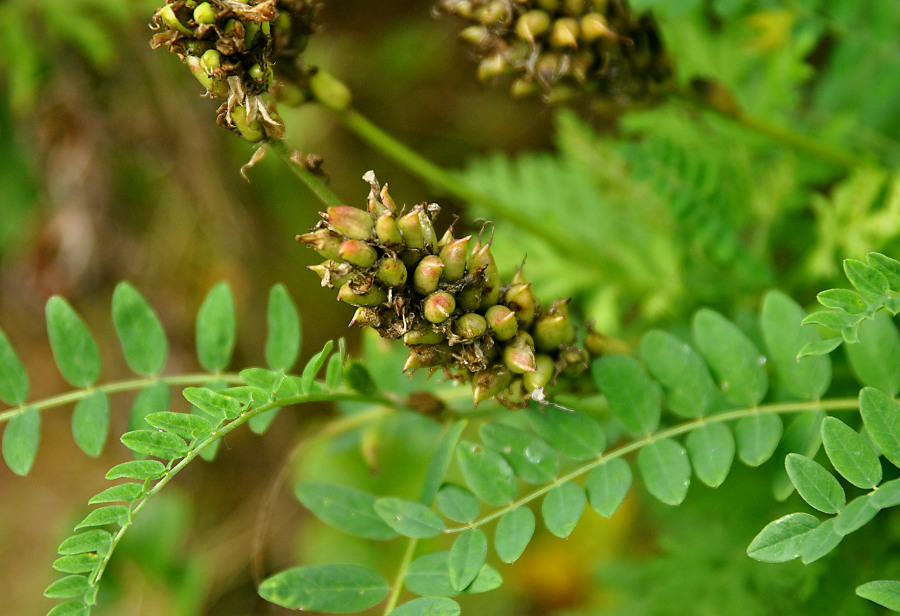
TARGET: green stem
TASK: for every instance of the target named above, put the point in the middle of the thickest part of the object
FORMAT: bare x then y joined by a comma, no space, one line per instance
397,587
313,181
837,404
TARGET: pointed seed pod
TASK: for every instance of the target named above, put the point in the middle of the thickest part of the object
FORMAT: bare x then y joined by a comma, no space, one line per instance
386,199
438,307
391,272
333,274
324,242
543,372
594,27
167,15
482,261
520,300
550,331
427,274
387,231
523,87
489,383
492,66
565,33
470,325
423,336
514,394
373,297
476,35
204,13
210,60
251,131
502,322
597,344
453,256
330,91
411,228
469,299
354,223
358,253
518,354
426,355
531,25
365,316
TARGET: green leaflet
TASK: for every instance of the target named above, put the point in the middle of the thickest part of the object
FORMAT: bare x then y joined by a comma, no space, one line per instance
333,589
803,435
154,443
427,606
666,470
887,494
440,462
90,422
876,357
607,485
457,502
68,587
137,469
359,379
815,484
757,437
429,575
819,542
466,558
888,267
532,460
74,349
215,330
881,416
572,433
514,531
334,371
151,399
632,395
187,426
20,441
94,540
487,474
689,387
855,515
283,338
782,540
843,299
13,378
141,334
345,508
409,518
711,450
850,454
215,405
112,514
69,608
871,283
780,321
883,592
562,508
77,563
736,362
124,492
312,368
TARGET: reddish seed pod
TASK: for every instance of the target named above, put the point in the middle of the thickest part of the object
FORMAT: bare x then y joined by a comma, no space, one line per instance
551,331
358,253
520,300
518,354
373,297
489,383
470,326
387,231
543,372
439,306
428,274
453,256
423,336
502,322
354,223
426,355
325,242
391,272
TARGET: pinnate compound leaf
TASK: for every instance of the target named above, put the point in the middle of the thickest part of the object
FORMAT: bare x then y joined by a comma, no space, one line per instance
870,282
487,474
843,299
572,433
69,608
141,334
783,539
876,357
112,514
13,378
74,349
711,449
881,415
885,593
185,425
736,362
345,508
466,557
855,515
632,395
666,470
333,589
427,606
124,492
429,575
151,399
163,445
689,387
887,494
607,485
137,469
850,454
889,268
532,460
780,320
457,502
94,540
815,484
562,508
216,326
514,531
284,335
21,439
440,462
409,518
214,404
313,366
819,542
757,437
77,563
68,587
90,422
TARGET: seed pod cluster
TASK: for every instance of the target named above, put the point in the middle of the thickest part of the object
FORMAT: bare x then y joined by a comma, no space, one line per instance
443,296
233,47
562,49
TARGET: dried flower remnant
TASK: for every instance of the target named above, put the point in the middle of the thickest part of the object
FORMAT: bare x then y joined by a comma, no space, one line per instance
443,296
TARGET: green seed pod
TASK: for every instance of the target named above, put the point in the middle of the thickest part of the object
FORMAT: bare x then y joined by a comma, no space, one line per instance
373,297
251,131
195,65
469,299
387,231
594,27
565,33
489,383
492,66
333,274
573,7
411,228
476,35
550,331
502,322
391,272
324,241
329,91
204,13
358,253
523,87
470,325
532,25
167,15
423,336
210,61
518,353
514,394
427,355
438,307
365,316
453,255
548,5
427,274
251,29
597,344
520,300
482,261
256,72
445,239
494,14
543,372
354,223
